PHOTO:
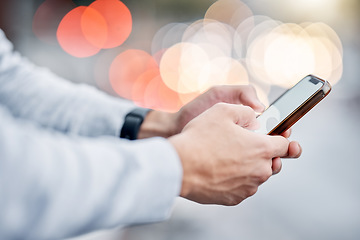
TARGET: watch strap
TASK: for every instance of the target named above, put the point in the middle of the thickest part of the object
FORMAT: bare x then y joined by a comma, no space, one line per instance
132,123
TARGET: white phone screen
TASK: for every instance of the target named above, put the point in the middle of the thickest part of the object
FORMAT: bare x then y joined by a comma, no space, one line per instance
287,103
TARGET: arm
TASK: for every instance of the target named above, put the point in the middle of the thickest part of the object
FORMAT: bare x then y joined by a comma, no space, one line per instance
54,186
36,94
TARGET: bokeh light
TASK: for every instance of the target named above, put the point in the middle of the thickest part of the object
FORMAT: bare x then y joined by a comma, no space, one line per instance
127,67
228,46
71,36
231,12
159,96
118,20
288,55
181,66
47,18
288,52
216,35
85,30
166,37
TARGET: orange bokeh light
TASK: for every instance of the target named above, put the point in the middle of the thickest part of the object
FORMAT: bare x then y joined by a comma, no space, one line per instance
127,67
135,75
159,96
229,46
142,82
70,34
94,27
118,19
104,24
169,99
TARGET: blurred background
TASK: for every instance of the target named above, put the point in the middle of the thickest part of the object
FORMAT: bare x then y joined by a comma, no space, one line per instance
177,49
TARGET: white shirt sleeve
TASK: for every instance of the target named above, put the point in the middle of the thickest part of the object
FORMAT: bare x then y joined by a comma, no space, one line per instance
38,95
54,185
56,179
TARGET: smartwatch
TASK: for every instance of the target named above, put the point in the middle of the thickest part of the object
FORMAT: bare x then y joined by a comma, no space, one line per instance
132,123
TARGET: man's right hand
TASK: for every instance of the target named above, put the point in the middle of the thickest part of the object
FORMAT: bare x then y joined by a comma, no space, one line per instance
223,161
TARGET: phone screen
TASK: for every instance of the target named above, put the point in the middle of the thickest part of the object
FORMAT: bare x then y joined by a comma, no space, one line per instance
287,103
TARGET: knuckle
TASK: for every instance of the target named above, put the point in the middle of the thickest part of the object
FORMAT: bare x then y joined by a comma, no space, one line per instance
247,108
222,107
216,92
262,173
248,89
219,105
232,201
251,112
265,174
236,198
251,191
267,149
251,88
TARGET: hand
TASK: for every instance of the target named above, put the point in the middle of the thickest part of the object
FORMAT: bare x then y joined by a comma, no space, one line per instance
223,162
243,94
167,124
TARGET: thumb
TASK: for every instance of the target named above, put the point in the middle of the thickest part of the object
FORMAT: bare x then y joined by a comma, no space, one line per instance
243,116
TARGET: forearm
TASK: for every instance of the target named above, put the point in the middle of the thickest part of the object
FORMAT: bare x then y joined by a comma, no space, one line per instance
54,186
38,95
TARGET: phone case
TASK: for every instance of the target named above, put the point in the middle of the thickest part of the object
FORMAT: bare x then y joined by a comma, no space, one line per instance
303,109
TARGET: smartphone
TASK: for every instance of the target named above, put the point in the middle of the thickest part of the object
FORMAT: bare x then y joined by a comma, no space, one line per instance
293,105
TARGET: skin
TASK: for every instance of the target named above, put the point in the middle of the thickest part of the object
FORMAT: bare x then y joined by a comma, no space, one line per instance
165,124
223,160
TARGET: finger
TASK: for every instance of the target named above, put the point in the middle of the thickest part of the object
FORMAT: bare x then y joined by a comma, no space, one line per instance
279,146
276,165
295,150
241,94
241,115
287,133
249,98
246,117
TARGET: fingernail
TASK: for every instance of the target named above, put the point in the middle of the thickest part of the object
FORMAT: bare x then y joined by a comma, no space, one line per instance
276,172
262,106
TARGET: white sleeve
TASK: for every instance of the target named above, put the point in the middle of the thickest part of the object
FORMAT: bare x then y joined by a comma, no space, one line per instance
54,185
38,95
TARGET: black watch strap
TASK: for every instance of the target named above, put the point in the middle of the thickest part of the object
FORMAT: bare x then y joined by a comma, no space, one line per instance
132,123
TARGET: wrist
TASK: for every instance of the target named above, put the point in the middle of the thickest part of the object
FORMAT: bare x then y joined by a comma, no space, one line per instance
157,123
181,149
132,123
